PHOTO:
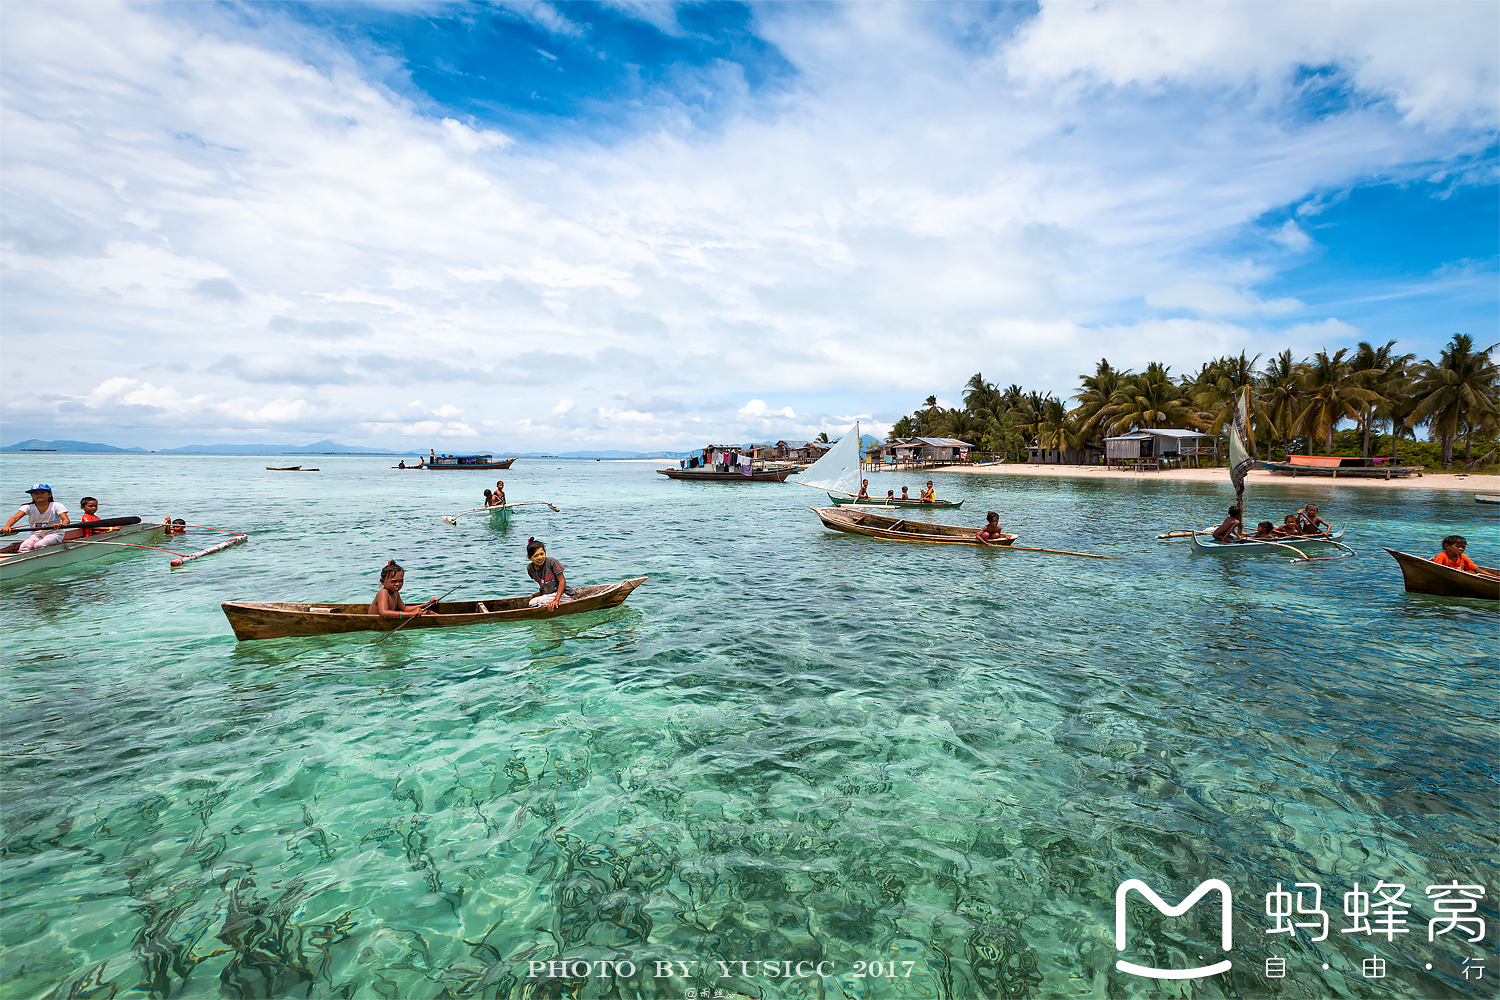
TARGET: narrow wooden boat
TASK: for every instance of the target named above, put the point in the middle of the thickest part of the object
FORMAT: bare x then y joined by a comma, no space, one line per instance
1251,547
1487,498
441,462
705,476
74,548
265,620
283,468
879,502
864,522
1423,576
1335,466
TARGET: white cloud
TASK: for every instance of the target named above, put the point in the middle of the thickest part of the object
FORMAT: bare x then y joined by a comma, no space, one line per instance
191,204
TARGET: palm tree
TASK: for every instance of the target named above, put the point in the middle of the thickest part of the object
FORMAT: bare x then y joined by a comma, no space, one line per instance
1055,430
1217,387
1280,398
1381,371
1329,394
1151,399
1459,391
823,437
1093,398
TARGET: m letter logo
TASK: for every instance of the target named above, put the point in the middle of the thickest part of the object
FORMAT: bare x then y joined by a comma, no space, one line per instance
1172,911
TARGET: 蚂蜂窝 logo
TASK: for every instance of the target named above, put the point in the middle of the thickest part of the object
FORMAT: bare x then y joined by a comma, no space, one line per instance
1173,911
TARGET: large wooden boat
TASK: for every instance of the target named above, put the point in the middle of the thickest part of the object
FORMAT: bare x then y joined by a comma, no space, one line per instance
1335,466
440,462
865,522
74,548
267,620
709,476
887,502
1423,576
1250,546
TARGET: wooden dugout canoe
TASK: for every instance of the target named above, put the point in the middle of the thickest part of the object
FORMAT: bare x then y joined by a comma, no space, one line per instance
267,620
1423,576
864,522
896,502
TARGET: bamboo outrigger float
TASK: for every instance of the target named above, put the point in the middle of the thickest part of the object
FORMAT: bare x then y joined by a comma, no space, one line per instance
275,620
847,501
864,522
1423,576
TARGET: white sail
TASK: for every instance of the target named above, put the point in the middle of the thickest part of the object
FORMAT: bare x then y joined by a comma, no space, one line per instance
838,470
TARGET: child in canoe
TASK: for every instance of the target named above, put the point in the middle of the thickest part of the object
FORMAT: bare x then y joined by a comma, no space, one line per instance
388,603
552,586
1231,529
988,534
1453,556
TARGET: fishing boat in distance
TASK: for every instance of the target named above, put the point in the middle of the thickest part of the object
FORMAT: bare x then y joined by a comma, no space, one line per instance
1487,498
278,620
74,548
439,462
1335,466
283,468
1423,576
893,529
721,463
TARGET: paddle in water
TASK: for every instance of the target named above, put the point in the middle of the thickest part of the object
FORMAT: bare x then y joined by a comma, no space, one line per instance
388,602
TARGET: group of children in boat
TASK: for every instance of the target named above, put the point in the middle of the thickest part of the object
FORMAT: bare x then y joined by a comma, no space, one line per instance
927,495
48,519
1299,524
495,497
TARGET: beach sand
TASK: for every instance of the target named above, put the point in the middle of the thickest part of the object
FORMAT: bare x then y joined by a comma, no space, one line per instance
1427,481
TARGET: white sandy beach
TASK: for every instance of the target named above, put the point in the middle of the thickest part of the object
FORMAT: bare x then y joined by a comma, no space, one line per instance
1427,481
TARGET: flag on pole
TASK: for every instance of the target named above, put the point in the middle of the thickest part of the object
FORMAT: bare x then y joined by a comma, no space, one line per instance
1239,453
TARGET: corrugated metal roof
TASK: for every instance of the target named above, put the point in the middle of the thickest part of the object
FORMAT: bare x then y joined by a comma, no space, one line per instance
1169,432
944,442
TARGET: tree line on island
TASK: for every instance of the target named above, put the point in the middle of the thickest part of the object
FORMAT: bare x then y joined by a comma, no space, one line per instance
1295,405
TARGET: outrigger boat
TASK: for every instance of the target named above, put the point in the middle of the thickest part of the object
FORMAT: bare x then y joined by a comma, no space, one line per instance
266,620
845,501
1257,546
74,548
1423,576
439,462
1335,466
864,522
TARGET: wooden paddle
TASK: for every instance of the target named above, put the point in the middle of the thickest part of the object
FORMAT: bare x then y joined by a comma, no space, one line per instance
429,604
1060,552
104,522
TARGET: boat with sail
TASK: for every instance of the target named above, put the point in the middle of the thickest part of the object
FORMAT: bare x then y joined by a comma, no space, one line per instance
279,620
1203,542
1423,576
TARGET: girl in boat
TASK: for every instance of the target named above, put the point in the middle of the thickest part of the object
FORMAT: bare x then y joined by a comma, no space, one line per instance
42,512
552,586
991,529
1311,523
929,495
388,603
499,493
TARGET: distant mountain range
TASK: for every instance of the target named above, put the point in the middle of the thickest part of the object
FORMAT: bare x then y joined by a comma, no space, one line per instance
334,448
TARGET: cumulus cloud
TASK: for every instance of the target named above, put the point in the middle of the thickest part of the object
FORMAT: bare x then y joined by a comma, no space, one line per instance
935,190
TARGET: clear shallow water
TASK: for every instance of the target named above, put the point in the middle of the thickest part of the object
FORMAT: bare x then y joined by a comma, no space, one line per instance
790,745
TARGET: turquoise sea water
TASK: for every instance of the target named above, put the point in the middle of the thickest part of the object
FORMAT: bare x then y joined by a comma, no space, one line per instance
790,745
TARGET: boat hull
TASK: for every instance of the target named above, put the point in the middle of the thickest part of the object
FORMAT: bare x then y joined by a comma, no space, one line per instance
877,502
1487,498
76,550
700,476
1366,471
1246,548
440,467
499,516
1423,576
271,620
892,529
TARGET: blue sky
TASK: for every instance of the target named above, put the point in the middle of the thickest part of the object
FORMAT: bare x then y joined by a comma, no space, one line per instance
534,226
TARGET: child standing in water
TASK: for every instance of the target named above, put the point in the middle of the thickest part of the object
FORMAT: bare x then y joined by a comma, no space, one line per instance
388,603
552,586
